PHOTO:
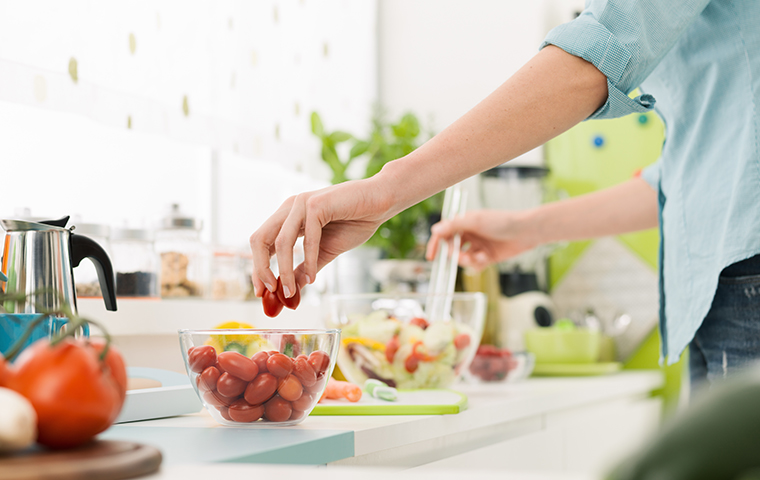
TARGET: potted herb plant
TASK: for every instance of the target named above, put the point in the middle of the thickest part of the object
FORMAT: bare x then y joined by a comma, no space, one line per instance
401,238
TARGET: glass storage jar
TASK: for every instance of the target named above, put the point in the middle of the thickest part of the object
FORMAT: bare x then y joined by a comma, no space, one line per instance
178,244
135,262
228,280
85,275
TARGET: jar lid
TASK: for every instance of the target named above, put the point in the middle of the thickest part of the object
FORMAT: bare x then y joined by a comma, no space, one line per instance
132,234
177,220
92,229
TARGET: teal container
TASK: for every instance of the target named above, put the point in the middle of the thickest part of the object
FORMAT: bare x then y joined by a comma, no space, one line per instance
13,326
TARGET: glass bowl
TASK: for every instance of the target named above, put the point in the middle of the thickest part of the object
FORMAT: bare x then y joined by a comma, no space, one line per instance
257,377
391,338
492,364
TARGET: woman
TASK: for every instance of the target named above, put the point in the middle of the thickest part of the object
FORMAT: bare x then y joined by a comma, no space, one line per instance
699,60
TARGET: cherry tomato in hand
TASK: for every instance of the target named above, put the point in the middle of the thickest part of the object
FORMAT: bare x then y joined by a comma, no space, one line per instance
272,305
292,302
75,394
261,389
198,358
238,365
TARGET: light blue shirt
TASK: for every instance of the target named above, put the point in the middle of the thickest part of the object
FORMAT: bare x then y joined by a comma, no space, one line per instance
700,61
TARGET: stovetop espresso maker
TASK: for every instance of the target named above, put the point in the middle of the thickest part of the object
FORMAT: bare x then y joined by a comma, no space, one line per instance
39,257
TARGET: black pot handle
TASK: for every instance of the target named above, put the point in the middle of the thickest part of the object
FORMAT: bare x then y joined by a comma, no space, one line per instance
84,247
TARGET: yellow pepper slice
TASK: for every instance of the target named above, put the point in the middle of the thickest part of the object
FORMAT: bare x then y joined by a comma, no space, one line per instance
364,341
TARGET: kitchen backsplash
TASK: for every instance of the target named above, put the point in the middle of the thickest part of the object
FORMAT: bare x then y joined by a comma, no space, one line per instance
122,104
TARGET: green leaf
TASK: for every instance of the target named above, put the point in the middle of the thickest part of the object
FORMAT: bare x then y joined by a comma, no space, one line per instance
359,148
338,136
330,156
316,125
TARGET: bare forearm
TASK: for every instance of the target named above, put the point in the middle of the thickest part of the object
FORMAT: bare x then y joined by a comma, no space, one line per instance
628,207
550,94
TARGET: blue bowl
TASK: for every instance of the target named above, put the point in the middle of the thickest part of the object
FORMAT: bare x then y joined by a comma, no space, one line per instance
13,326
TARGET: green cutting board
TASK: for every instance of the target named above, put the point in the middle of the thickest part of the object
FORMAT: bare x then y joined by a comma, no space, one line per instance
410,402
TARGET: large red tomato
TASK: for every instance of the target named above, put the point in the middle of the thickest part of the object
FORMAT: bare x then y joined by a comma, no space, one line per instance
75,394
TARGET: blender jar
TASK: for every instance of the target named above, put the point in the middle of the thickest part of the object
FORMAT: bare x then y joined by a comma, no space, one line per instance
179,247
85,275
135,262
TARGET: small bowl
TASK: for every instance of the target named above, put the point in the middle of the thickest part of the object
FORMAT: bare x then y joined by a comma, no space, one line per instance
390,337
500,365
256,377
553,345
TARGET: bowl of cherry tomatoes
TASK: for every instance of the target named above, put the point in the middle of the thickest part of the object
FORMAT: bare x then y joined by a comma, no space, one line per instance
493,364
257,377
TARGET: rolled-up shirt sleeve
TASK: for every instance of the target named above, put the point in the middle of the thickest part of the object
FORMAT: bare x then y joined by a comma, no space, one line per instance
651,175
625,40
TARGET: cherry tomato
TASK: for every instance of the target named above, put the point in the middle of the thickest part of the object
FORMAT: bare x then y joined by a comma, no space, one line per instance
242,411
229,385
277,409
238,365
272,305
198,358
290,388
289,346
303,371
225,413
297,415
216,399
292,302
391,348
461,341
207,380
319,361
420,322
260,389
279,365
75,394
318,386
260,359
304,403
411,363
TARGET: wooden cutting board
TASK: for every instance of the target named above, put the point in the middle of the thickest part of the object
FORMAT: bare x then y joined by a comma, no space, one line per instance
101,459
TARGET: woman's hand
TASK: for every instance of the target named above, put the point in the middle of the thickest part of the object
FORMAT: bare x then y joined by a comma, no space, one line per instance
488,236
331,221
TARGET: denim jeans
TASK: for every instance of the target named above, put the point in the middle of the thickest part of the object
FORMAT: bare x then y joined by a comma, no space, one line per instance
729,338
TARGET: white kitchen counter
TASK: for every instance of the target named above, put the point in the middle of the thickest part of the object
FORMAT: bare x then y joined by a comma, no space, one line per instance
578,425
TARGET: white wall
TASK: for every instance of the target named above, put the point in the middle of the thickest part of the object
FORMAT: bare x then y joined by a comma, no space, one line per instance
439,58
